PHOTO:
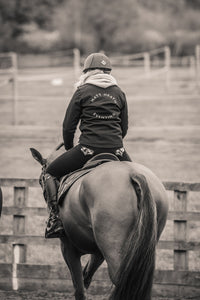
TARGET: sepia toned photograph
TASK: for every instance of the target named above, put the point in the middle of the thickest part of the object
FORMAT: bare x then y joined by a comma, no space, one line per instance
99,149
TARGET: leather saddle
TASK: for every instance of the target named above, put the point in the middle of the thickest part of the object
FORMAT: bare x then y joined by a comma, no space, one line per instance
67,181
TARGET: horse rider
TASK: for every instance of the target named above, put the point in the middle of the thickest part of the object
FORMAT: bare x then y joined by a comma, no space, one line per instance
101,107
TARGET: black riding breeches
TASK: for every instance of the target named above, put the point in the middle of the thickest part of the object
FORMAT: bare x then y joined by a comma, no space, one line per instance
76,157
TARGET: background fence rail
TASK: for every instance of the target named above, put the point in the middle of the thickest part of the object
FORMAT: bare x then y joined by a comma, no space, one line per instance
179,283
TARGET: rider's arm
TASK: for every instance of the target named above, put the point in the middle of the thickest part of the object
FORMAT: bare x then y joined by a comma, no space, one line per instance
71,120
124,117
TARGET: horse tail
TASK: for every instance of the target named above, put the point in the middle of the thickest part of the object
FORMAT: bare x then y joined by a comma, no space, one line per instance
135,274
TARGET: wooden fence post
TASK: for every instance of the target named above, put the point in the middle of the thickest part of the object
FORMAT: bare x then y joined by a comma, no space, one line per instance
192,65
180,231
20,196
77,63
147,64
19,228
167,66
19,256
15,88
197,56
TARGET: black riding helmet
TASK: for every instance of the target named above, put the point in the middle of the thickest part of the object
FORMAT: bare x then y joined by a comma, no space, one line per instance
97,61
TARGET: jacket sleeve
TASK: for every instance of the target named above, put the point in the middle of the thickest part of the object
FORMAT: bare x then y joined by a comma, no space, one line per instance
70,122
124,117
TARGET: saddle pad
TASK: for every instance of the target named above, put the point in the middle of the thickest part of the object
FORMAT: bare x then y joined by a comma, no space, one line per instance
68,180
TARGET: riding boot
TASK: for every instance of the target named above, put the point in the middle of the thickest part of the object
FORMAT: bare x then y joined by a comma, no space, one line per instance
54,227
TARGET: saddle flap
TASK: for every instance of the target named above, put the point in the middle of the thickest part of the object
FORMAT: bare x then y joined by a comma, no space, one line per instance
68,180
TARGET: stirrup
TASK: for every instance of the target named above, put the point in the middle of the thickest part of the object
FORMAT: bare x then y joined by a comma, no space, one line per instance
56,233
54,228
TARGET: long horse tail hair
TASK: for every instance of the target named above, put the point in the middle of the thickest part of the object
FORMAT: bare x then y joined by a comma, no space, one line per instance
135,274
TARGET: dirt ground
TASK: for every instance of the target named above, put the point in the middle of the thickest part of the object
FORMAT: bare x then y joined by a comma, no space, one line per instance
42,295
24,295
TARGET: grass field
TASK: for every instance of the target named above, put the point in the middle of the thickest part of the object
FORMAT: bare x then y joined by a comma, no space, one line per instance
164,124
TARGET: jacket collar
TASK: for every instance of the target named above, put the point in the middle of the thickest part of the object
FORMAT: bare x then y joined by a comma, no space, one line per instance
98,78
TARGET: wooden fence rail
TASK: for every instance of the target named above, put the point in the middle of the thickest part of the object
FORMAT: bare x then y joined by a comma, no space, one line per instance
178,283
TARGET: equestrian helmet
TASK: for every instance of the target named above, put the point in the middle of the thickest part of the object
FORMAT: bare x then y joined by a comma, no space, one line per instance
97,61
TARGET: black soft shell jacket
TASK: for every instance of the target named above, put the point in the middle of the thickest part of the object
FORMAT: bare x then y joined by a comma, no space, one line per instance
103,117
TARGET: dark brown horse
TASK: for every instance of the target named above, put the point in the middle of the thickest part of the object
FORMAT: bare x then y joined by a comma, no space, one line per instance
116,212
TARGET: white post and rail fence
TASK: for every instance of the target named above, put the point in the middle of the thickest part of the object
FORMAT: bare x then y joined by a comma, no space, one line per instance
9,69
180,282
9,73
197,60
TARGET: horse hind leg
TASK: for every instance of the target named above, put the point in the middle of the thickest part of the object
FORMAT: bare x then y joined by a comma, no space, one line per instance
90,268
110,243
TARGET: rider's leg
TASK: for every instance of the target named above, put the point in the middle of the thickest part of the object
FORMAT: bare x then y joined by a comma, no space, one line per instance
68,162
54,227
122,154
125,156
64,164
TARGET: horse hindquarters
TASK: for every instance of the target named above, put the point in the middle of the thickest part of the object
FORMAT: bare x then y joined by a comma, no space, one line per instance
112,205
135,275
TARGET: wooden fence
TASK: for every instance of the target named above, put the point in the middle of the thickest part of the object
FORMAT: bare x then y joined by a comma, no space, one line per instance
180,282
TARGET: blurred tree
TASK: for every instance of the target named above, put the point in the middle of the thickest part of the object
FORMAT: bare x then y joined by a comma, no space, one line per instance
15,13
127,26
193,3
93,25
104,19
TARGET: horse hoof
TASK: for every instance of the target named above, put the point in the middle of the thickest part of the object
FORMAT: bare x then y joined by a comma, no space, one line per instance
87,283
80,296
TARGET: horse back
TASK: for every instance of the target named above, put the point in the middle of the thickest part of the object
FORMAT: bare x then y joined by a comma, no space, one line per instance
108,190
110,185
